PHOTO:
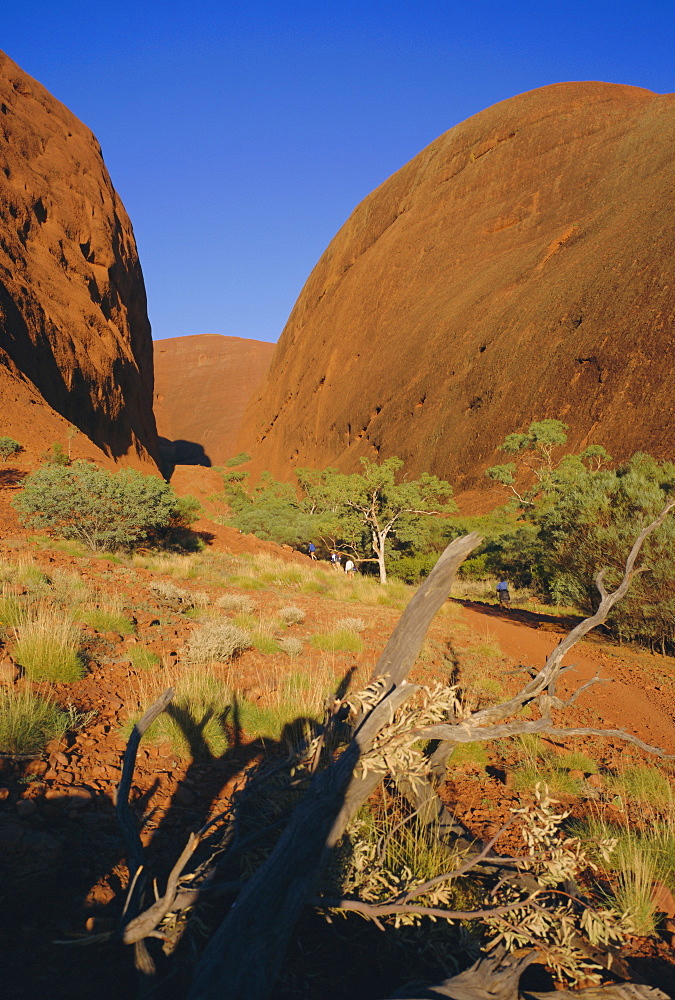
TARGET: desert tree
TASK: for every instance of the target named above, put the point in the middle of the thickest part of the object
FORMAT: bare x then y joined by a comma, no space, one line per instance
364,511
8,448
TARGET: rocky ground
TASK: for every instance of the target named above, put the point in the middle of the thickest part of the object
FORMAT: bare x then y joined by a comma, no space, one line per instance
63,864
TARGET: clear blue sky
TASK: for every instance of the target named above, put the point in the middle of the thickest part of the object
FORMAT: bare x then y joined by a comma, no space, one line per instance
241,134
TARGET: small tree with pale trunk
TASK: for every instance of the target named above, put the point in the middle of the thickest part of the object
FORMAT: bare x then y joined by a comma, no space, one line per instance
366,510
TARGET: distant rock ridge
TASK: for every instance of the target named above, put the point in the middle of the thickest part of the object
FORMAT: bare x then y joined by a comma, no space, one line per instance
520,267
75,342
202,386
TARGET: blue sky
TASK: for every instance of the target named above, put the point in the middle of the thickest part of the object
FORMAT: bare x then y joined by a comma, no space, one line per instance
240,135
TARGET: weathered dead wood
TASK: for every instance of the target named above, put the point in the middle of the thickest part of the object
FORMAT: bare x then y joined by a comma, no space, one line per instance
244,955
130,834
612,991
496,978
541,689
492,978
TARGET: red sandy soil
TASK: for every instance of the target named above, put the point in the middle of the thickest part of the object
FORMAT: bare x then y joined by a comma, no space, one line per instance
202,386
76,346
520,267
63,866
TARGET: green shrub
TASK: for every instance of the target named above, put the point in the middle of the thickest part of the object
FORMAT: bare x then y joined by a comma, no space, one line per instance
239,459
8,447
106,511
28,722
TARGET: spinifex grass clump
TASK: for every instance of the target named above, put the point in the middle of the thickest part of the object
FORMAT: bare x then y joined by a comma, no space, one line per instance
143,658
47,646
289,712
106,619
28,722
11,609
338,641
643,785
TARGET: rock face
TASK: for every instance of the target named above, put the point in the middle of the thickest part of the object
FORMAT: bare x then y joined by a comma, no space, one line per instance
520,267
202,386
75,344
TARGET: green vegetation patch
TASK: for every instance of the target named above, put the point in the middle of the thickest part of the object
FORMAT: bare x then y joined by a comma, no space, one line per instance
47,648
196,721
105,621
28,722
143,658
339,641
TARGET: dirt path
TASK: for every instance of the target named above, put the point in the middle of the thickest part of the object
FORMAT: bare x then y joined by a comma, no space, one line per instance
624,701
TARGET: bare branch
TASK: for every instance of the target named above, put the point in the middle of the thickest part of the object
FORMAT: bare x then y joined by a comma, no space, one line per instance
388,909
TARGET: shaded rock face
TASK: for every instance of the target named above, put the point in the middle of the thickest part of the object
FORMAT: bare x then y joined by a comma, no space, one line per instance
520,267
202,386
75,344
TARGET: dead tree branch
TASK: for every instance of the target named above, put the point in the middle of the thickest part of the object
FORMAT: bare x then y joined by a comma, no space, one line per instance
245,953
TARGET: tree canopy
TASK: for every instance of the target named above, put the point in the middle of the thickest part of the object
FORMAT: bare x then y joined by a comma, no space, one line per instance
106,511
373,515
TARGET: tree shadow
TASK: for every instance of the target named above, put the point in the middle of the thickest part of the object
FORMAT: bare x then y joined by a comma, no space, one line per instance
10,477
534,619
192,802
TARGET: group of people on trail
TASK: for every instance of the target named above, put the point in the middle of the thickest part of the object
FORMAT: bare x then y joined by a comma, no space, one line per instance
348,566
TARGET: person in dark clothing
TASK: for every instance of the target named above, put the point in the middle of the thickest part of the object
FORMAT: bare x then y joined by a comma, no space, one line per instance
312,550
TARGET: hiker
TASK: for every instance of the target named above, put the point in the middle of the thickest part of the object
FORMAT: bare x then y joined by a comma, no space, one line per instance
312,550
349,566
334,560
503,593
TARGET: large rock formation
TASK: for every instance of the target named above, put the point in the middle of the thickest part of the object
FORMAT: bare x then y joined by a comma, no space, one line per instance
520,267
75,345
202,386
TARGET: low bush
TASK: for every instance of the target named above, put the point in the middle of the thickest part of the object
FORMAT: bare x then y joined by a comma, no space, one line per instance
217,642
238,603
350,625
28,722
290,645
106,511
291,615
